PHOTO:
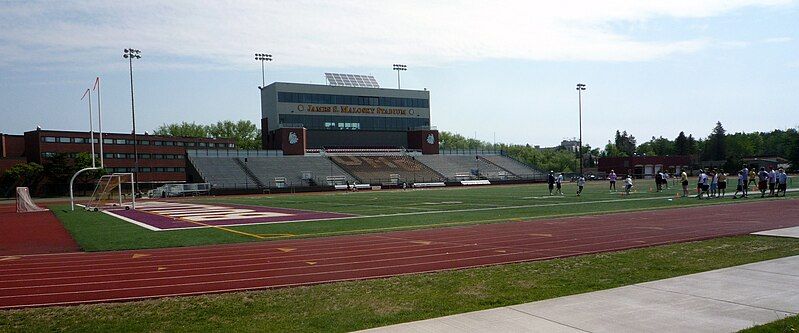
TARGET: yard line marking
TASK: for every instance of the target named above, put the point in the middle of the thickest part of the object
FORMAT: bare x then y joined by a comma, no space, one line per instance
9,258
421,242
285,249
311,263
140,255
540,235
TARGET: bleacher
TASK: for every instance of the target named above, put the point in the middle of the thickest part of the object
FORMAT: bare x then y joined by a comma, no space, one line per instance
222,172
386,169
454,167
519,169
293,168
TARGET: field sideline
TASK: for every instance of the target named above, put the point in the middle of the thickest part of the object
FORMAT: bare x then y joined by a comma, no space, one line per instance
378,211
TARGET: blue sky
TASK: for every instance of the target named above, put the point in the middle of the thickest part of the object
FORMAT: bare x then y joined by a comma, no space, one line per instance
652,69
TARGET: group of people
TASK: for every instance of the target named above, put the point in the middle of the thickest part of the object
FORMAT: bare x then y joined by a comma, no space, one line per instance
710,184
713,184
628,182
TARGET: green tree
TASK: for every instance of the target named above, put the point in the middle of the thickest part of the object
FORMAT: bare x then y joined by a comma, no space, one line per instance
681,144
625,143
244,132
716,146
183,129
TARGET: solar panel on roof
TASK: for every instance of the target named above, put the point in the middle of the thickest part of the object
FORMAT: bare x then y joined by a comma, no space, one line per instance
351,80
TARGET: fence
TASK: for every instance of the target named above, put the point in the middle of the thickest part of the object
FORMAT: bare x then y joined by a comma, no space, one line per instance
232,153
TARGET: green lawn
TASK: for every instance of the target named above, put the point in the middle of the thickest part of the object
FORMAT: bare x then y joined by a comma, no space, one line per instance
379,211
345,306
787,325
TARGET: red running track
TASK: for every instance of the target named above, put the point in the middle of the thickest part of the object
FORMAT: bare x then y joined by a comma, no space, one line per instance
72,278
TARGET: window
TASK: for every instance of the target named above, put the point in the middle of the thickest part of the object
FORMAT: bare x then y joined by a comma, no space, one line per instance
108,141
64,140
231,145
169,143
145,156
144,169
190,144
120,155
48,154
49,139
120,141
179,143
108,155
144,142
202,144
158,143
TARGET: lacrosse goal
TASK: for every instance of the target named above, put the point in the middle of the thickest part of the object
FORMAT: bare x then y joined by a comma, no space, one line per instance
113,191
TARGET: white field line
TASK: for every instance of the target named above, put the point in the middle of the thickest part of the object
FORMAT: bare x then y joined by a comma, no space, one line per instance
463,210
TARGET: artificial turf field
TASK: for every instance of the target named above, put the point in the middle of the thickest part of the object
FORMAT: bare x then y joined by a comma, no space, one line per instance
379,211
361,304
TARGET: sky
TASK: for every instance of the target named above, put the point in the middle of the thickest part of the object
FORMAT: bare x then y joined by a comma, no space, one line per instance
496,70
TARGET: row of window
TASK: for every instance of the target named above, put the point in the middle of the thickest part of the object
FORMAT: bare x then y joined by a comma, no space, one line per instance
354,122
63,139
145,170
289,97
143,156
123,156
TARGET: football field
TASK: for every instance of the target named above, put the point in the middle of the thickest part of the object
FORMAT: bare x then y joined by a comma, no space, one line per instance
291,216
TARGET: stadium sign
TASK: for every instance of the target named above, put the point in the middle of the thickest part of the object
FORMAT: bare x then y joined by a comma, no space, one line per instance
346,109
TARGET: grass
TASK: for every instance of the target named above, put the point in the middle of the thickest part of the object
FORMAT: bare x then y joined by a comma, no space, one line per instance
787,325
345,306
379,211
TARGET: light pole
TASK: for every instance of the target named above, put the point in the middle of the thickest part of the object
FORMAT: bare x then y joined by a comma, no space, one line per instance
130,54
398,68
263,57
580,88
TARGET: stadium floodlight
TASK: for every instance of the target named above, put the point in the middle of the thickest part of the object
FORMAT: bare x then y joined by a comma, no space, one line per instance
130,54
580,89
263,57
399,68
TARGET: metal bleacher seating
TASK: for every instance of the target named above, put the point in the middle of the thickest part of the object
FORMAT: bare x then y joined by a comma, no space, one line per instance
222,172
452,166
292,169
519,169
379,169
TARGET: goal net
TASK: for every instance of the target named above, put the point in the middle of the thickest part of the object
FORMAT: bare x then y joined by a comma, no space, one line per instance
24,202
112,191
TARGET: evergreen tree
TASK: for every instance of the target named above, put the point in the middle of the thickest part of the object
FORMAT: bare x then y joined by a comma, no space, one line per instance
681,144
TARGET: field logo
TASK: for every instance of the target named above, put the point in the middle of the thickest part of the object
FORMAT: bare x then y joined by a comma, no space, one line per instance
431,139
293,139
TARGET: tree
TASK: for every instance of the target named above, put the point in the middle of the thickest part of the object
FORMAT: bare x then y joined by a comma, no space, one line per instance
184,129
25,174
716,147
625,143
244,132
681,144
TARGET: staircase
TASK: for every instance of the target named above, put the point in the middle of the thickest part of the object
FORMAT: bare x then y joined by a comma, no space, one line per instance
249,173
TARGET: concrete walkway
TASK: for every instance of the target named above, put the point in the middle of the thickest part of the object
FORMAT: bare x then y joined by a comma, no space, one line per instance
724,300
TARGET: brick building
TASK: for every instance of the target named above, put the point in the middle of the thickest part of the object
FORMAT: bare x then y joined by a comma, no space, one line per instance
161,158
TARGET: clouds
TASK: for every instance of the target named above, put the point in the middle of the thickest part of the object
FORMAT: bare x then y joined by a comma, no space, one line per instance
43,35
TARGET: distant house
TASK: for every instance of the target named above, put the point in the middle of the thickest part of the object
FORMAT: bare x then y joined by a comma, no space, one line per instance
766,162
644,166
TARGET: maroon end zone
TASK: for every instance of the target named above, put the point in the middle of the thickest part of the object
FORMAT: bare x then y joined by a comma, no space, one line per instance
163,215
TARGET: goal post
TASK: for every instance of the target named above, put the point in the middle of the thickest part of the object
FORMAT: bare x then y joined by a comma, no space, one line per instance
110,191
24,202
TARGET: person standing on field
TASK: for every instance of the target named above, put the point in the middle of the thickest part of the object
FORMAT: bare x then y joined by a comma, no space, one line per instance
580,184
551,182
782,180
741,185
745,187
559,183
722,183
714,184
628,184
772,181
762,181
612,176
658,181
684,183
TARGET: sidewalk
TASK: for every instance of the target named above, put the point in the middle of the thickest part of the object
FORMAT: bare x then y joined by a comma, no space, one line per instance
724,300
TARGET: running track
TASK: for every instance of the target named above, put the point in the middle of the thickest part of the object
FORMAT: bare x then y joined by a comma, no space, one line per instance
72,278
